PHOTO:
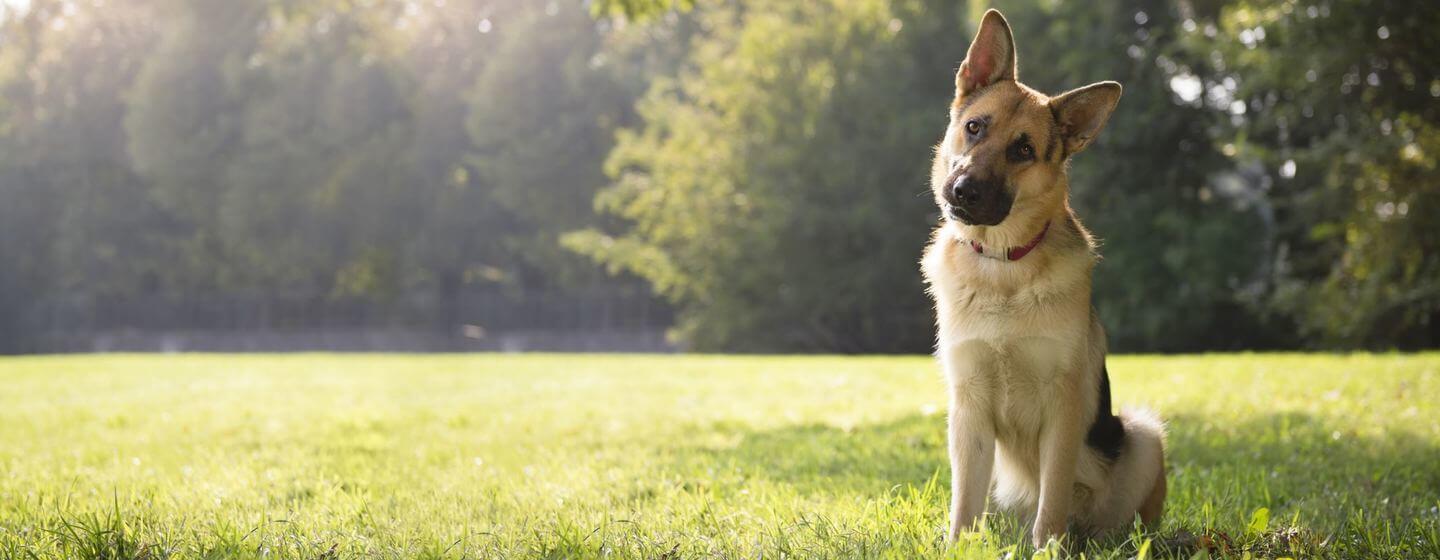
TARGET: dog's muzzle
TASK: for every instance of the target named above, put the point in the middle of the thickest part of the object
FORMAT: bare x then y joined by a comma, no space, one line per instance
977,202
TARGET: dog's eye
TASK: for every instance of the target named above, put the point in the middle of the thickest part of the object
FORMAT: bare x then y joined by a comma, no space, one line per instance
973,127
1020,150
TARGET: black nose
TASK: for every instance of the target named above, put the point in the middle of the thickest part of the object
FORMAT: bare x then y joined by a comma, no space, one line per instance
965,191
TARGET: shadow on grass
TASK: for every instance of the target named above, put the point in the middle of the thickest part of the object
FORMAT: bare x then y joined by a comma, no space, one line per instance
1326,487
1289,460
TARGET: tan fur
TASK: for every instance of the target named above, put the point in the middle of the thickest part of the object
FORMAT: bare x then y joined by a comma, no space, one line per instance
1154,505
1019,342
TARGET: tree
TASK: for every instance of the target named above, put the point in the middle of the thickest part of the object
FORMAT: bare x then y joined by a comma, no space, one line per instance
638,9
1334,105
183,128
777,191
268,129
72,212
1179,243
542,118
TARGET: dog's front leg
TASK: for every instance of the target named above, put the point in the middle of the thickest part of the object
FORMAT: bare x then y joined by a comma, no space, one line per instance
1060,442
972,457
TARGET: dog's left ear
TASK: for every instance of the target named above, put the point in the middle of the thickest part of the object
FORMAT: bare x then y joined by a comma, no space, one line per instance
1082,113
991,57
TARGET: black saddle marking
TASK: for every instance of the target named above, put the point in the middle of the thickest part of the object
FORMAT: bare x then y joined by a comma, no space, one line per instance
1107,434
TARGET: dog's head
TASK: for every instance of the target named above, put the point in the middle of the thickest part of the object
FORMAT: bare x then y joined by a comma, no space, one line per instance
1004,154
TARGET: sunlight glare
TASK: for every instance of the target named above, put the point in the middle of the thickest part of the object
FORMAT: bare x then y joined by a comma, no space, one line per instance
1187,86
8,7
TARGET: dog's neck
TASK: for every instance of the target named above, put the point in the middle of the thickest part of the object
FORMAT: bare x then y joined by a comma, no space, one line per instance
1021,231
1011,253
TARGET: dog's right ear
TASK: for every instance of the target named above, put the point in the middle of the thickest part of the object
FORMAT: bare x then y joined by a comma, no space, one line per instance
991,57
1082,113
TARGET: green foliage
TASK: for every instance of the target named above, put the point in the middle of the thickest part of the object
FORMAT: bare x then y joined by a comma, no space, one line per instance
760,163
266,147
778,192
376,456
543,115
312,151
767,198
70,202
1177,258
1336,104
638,9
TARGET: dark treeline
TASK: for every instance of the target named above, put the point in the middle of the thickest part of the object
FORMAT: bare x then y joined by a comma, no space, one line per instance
1268,181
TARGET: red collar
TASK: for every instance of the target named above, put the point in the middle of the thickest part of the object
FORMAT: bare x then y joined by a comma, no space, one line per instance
1014,253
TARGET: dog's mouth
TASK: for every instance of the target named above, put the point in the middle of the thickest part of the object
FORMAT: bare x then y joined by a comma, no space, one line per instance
956,213
969,218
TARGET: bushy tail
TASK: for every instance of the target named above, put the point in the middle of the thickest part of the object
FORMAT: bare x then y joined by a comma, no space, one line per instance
1137,478
1148,446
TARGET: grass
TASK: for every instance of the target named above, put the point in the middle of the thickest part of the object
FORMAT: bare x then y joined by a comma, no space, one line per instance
488,456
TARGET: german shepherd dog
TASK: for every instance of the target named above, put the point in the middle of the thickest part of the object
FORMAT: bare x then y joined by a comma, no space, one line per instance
1020,345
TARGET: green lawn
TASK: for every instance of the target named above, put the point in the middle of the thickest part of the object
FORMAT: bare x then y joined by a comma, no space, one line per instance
487,456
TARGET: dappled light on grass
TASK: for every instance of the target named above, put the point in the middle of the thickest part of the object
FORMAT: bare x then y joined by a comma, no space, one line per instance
623,456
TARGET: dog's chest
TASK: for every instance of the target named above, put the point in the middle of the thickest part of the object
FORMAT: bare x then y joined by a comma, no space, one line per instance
1013,353
1017,380
1008,320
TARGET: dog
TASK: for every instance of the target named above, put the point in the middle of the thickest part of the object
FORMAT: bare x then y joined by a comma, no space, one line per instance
1023,352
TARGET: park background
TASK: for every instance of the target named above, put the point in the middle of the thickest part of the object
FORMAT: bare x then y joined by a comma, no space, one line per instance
696,180
716,176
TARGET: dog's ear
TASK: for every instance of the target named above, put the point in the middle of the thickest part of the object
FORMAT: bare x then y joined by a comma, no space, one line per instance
1082,112
991,57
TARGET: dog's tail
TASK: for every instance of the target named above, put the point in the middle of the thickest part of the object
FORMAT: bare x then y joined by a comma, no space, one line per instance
1137,478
